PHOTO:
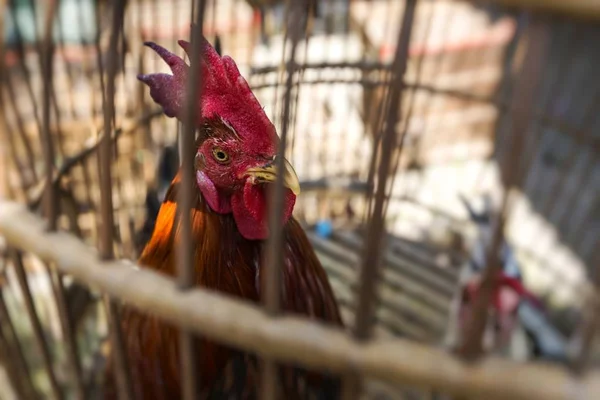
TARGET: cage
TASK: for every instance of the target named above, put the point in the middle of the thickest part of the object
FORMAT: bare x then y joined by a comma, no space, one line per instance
447,159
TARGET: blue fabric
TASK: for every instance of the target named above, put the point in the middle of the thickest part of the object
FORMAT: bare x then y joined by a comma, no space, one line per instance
324,228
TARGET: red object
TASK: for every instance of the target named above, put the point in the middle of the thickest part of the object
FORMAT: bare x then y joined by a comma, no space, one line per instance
501,301
506,297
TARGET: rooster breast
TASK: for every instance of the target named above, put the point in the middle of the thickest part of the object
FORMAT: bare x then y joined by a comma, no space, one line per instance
226,262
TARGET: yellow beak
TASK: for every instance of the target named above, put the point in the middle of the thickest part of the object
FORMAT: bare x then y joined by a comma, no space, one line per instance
268,174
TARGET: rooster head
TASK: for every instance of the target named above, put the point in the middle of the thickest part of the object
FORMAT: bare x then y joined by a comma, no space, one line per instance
237,143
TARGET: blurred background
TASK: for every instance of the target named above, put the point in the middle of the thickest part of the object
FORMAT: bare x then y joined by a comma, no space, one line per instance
445,186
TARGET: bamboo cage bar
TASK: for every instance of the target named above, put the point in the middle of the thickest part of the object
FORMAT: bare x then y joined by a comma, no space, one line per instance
273,253
291,339
51,200
10,86
46,64
36,324
370,263
186,274
13,355
123,377
12,370
522,105
68,331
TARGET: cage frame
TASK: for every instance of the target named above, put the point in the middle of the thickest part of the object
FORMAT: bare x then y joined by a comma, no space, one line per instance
274,337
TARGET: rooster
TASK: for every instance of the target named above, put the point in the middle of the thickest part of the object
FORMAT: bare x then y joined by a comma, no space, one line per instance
235,152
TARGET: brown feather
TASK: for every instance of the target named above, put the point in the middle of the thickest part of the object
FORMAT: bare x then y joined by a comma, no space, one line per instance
226,262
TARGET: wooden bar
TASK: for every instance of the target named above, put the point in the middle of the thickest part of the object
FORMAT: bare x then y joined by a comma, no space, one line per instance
122,372
408,115
45,48
14,388
186,272
15,358
4,163
98,12
372,258
51,200
26,76
273,255
371,261
36,325
291,339
68,331
511,166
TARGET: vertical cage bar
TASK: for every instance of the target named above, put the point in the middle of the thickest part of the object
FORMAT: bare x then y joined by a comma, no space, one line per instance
26,75
51,203
14,350
36,325
522,108
8,362
4,187
97,12
371,258
45,48
4,179
411,107
67,330
105,150
273,254
8,81
370,263
8,136
8,133
94,110
186,275
123,378
186,278
69,85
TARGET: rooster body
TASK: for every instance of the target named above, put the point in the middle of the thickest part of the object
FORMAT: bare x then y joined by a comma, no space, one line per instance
235,153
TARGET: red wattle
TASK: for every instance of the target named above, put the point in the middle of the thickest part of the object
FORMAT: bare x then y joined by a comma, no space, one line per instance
216,201
250,211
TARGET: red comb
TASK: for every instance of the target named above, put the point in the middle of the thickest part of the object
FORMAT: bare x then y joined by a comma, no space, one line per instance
225,93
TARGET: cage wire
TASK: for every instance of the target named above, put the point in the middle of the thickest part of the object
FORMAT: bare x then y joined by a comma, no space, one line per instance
447,153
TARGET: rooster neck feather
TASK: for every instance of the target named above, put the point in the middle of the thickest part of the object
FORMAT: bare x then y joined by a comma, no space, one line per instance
222,258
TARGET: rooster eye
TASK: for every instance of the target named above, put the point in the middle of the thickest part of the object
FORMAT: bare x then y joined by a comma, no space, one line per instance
220,155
